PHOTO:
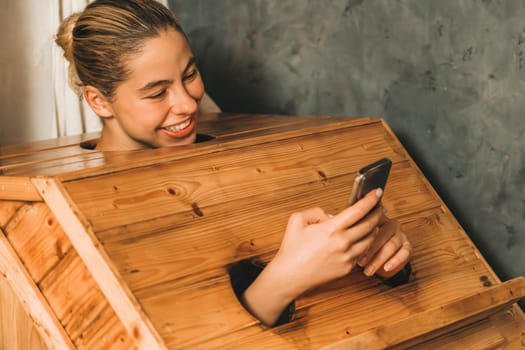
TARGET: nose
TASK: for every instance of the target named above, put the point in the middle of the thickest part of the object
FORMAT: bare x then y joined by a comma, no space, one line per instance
182,102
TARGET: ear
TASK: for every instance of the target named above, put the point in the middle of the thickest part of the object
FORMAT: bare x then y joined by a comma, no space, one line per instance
98,102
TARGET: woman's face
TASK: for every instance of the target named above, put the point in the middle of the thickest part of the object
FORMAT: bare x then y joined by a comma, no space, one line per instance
157,105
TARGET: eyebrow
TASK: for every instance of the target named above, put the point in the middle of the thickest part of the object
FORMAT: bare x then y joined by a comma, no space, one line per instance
154,84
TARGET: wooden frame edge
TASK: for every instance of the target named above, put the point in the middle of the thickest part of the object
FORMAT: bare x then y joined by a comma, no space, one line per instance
90,250
435,322
18,188
44,319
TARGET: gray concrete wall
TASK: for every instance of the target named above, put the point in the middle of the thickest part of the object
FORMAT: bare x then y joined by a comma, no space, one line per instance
448,76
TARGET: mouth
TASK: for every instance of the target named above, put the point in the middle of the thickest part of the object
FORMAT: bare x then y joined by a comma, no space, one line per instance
180,130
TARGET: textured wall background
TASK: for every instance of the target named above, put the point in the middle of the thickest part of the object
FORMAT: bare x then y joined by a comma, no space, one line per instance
448,76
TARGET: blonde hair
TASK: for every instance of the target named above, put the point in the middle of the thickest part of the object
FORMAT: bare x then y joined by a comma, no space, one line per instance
98,41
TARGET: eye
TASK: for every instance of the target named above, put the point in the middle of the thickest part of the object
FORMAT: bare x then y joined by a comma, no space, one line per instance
158,94
191,75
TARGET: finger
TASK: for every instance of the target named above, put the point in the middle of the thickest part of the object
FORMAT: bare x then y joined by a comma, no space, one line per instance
399,260
384,218
359,210
386,231
357,249
307,217
386,252
364,227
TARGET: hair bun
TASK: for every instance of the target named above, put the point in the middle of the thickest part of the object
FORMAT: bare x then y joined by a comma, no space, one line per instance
64,39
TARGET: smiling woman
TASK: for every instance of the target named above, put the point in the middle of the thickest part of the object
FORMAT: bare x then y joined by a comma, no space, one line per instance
133,64
144,99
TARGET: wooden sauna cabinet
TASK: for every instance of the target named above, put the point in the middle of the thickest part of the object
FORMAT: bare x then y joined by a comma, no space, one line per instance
131,250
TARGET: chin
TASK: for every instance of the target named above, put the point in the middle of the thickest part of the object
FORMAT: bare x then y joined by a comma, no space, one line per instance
188,140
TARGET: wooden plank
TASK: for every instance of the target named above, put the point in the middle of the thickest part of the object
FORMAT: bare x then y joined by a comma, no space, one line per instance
427,324
18,189
75,162
50,144
511,324
38,239
82,308
120,198
186,245
426,234
7,210
224,125
451,271
478,336
119,161
107,333
213,318
16,326
123,302
47,324
32,159
438,250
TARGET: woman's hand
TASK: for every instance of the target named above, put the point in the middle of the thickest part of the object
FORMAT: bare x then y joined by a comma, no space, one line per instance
389,252
315,249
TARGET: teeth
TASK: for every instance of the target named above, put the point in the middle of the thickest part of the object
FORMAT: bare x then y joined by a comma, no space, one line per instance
178,127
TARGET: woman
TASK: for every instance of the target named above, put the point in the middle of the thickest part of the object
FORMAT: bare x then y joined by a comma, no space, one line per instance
131,61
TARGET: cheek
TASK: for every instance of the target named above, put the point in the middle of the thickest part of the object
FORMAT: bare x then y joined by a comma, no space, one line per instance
196,89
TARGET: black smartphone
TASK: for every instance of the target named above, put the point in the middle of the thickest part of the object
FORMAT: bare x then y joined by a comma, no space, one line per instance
370,177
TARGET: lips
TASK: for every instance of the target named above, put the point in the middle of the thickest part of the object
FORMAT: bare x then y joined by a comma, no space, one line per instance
180,130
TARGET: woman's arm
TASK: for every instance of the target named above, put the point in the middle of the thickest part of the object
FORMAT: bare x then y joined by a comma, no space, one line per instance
315,249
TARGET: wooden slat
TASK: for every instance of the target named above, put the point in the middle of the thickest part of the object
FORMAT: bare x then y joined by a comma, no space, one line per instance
7,210
37,238
186,245
18,189
74,162
478,336
427,324
100,266
503,330
119,161
16,326
82,308
119,198
426,234
455,265
44,249
50,144
224,125
47,324
213,318
43,156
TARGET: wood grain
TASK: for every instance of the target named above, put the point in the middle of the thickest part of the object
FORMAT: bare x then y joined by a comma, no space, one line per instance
84,311
38,239
326,312
132,249
117,198
101,268
47,324
18,189
7,210
460,311
16,326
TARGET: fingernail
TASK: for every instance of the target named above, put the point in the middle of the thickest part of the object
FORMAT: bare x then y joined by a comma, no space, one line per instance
379,192
387,267
362,261
369,270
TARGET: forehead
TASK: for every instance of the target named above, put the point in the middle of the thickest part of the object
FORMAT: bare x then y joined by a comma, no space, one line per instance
162,57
